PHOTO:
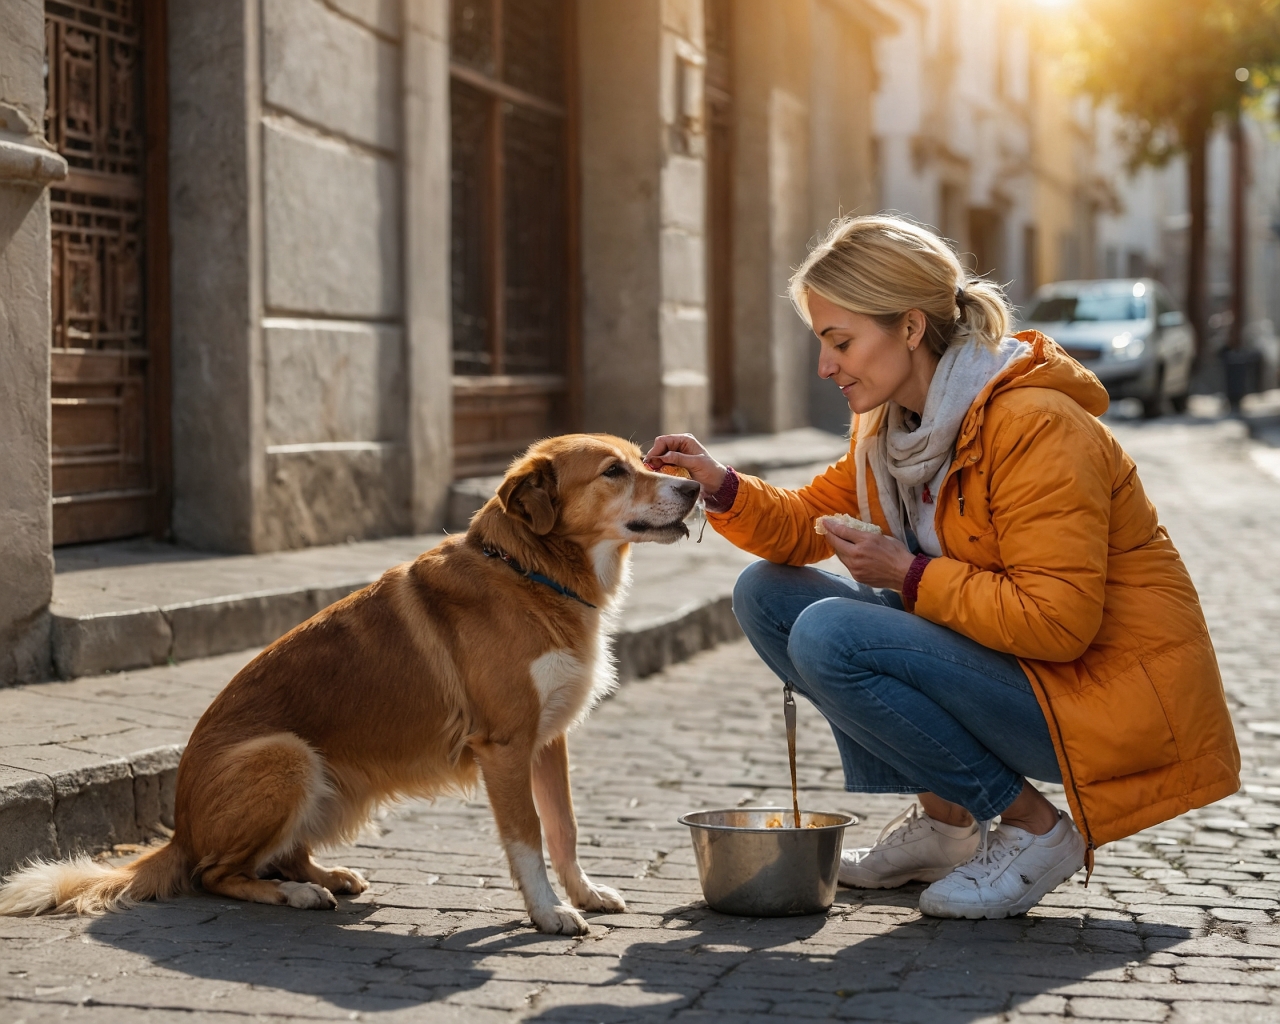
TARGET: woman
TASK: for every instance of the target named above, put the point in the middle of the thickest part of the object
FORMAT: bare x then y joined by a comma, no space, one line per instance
1022,614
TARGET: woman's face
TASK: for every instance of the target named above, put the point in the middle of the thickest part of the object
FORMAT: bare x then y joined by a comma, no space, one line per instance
869,363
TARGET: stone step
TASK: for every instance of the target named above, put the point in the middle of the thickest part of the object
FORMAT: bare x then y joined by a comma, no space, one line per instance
132,606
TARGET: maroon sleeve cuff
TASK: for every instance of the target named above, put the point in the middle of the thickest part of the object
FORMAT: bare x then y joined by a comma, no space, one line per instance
911,585
724,498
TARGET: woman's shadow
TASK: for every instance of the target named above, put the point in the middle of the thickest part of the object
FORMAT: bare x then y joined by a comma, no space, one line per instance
872,958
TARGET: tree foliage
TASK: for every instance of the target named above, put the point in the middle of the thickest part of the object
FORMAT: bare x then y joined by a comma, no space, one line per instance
1169,66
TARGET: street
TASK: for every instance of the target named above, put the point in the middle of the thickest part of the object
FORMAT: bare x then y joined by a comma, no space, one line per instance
1178,923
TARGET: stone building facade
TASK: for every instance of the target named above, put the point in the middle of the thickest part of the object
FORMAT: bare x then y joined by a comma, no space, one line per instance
978,138
277,272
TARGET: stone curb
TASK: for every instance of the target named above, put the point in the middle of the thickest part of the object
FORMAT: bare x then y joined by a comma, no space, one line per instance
128,799
1264,427
86,645
83,810
677,637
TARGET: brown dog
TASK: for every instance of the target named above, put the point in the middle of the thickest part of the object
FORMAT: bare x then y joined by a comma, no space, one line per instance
480,654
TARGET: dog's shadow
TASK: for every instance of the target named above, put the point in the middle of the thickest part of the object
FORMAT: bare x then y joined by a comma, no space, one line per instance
270,955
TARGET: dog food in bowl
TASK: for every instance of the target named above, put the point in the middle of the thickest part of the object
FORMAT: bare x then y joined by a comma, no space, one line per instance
752,863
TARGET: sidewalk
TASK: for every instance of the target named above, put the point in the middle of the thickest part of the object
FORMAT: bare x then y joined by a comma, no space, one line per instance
91,762
1178,925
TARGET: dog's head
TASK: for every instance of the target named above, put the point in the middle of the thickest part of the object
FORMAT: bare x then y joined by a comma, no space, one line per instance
595,487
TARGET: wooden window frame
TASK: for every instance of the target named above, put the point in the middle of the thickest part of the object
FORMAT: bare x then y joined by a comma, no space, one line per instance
492,389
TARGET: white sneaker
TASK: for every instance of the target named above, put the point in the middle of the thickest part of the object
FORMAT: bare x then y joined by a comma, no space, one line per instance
911,848
1011,872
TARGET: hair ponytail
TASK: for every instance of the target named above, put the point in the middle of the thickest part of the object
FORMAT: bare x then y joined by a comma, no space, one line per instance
885,266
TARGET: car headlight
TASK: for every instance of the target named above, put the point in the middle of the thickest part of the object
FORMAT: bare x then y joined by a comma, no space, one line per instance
1127,346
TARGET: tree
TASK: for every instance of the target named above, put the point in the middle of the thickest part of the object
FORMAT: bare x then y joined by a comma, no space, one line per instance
1169,67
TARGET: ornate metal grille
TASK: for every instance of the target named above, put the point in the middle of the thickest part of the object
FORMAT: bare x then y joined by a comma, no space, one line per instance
510,245
101,476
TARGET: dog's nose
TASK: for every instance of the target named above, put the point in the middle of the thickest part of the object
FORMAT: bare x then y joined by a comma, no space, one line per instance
688,488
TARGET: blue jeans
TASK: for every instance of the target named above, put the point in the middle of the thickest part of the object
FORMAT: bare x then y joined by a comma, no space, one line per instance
915,707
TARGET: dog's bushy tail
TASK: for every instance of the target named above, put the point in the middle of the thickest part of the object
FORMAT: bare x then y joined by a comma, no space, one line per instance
82,886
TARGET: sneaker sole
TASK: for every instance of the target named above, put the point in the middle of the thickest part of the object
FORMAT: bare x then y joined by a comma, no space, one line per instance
1046,885
906,878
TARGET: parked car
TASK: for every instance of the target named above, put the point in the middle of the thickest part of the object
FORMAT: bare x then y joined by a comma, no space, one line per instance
1127,331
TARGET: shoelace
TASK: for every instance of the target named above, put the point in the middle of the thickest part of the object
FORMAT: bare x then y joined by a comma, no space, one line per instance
902,824
990,854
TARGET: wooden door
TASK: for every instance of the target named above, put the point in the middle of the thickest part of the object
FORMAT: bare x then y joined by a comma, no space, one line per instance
514,271
109,415
719,92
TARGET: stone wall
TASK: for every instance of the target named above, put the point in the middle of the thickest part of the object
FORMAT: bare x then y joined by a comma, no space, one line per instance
26,167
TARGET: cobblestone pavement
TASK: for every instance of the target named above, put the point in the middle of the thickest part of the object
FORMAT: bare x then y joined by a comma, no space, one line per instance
1179,923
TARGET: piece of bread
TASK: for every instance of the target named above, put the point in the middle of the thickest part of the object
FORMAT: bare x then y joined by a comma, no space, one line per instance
671,470
844,520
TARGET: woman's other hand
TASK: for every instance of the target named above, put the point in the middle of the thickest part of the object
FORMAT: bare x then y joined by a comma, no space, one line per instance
685,450
871,558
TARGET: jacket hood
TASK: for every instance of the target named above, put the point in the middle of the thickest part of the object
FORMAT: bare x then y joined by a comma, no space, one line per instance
1048,366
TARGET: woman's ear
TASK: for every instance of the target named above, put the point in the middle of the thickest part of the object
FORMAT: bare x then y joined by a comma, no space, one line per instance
914,324
529,494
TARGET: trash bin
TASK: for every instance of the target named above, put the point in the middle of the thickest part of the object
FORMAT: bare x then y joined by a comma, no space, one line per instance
1243,368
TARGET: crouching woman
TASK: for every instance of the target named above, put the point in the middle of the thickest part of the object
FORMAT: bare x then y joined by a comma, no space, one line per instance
1022,615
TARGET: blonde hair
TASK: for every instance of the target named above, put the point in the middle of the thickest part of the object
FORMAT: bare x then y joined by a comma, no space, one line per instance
885,266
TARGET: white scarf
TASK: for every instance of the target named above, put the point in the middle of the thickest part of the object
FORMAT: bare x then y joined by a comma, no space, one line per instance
903,460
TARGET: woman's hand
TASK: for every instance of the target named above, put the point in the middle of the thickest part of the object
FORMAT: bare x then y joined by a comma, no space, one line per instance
684,450
871,558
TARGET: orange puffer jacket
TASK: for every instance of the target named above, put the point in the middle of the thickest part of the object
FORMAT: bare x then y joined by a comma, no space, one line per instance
1052,552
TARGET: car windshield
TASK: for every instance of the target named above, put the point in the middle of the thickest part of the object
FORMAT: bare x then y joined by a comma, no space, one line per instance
1092,304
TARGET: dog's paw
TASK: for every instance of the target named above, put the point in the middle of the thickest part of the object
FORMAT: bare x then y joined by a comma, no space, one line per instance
346,880
589,896
308,896
559,919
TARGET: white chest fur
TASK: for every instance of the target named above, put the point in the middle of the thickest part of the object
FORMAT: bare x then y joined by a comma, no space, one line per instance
569,686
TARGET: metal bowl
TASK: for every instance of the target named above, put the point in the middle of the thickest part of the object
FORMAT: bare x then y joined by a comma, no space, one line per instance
749,869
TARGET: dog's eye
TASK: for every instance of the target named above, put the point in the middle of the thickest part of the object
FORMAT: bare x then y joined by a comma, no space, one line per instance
616,470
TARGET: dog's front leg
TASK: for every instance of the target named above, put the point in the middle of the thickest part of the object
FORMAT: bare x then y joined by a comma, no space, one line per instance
507,771
555,805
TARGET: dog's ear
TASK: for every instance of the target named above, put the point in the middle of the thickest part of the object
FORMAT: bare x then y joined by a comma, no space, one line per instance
529,494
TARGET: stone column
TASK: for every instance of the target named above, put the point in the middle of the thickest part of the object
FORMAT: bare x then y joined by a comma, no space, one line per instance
844,176
772,212
643,220
215,227
288,192
27,165
428,333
